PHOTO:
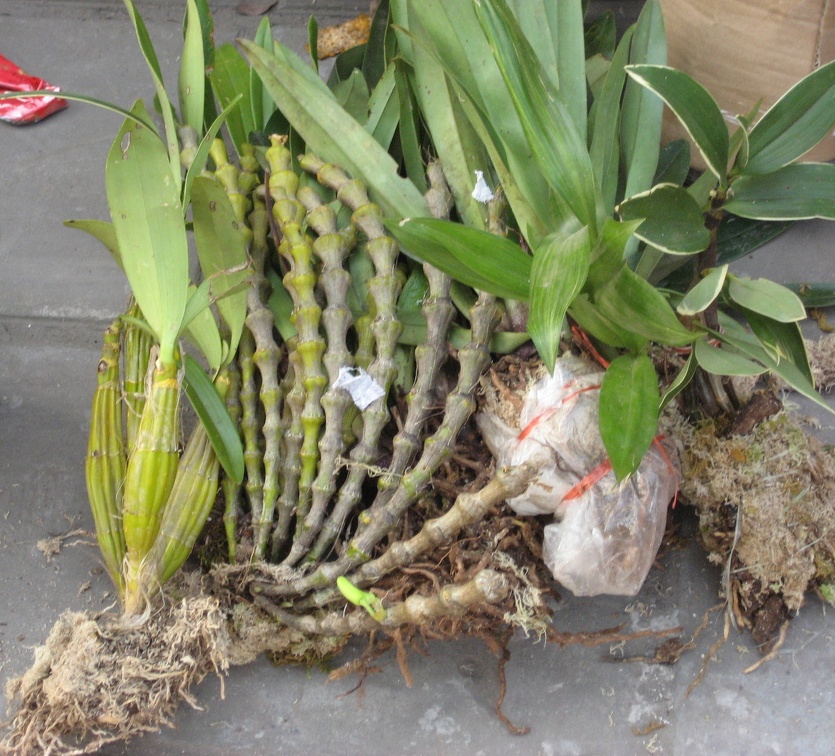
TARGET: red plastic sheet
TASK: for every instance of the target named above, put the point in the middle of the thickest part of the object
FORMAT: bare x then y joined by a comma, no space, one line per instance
22,110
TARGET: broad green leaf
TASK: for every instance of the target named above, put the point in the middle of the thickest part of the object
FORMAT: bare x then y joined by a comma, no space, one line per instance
607,254
261,102
144,203
103,231
630,300
191,83
383,110
223,435
556,36
560,267
814,294
694,107
673,163
603,329
222,252
199,325
640,133
352,94
166,107
735,335
767,298
724,361
230,80
380,46
604,150
794,124
673,222
795,192
330,132
783,341
560,150
456,143
474,257
704,293
451,33
629,405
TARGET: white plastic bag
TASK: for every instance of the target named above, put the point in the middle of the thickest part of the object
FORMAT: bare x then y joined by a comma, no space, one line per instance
606,534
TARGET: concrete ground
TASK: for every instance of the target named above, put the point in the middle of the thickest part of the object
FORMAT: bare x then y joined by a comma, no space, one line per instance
57,290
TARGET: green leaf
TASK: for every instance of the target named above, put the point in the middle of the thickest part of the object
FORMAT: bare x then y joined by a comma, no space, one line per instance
560,150
694,107
795,192
814,294
725,361
630,300
199,325
782,341
767,298
383,109
673,163
148,123
601,35
640,132
192,79
604,150
794,124
352,94
410,144
166,107
222,433
222,252
629,406
679,383
230,80
603,329
560,267
330,132
147,216
477,258
704,293
451,34
735,335
673,221
101,230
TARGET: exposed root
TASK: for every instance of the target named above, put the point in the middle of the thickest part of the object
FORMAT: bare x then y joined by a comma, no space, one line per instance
97,680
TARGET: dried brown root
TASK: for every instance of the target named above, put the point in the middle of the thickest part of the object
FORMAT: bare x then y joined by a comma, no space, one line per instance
96,680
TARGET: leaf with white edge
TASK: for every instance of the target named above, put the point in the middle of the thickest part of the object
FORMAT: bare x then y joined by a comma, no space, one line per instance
724,361
560,267
783,341
222,433
795,123
795,192
629,407
766,298
673,220
694,107
704,293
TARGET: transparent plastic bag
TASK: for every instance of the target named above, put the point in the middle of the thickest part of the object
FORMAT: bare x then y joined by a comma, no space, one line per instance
606,534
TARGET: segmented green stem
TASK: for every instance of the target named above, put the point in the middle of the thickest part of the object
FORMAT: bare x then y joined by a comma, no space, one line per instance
231,375
237,186
332,248
379,519
137,343
188,506
150,474
300,281
266,357
251,427
383,290
487,587
106,460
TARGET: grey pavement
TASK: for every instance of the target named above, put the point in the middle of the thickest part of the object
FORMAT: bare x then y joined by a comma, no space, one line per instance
57,290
